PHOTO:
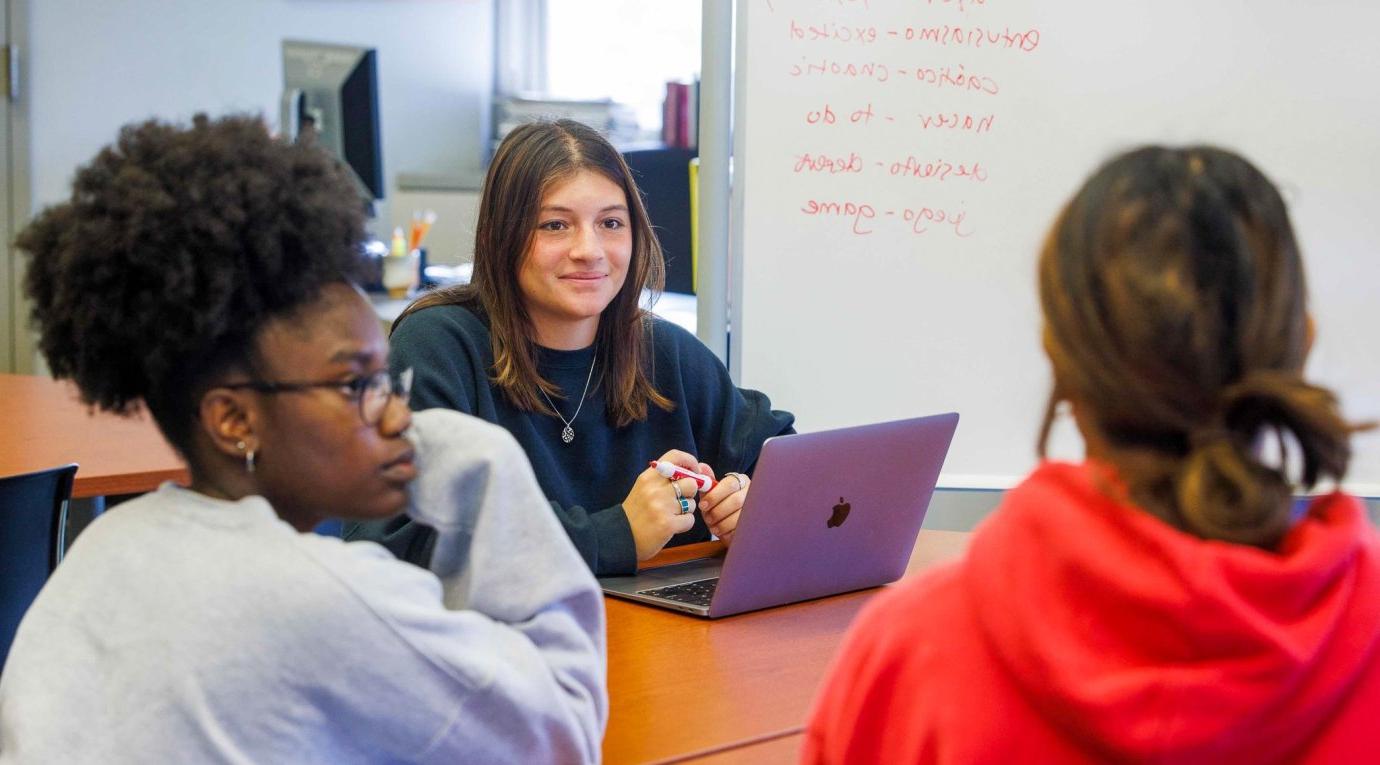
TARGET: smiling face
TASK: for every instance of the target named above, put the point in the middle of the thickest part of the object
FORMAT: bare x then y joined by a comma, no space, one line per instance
316,457
577,260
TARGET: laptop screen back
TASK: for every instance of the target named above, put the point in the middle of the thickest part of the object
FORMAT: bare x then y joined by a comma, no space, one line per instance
833,511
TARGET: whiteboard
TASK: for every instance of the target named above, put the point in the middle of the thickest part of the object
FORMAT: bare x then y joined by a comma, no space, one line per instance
898,163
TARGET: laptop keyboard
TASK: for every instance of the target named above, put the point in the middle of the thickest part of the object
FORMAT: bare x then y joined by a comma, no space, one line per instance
695,593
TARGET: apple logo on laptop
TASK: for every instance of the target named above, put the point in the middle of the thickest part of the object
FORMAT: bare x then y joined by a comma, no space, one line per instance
840,514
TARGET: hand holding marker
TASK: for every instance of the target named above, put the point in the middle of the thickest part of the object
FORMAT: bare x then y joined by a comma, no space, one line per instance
673,472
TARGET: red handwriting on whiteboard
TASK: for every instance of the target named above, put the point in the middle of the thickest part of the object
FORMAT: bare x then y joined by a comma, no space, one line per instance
870,70
832,165
939,170
862,217
826,115
860,213
823,116
977,123
946,76
973,37
921,219
832,31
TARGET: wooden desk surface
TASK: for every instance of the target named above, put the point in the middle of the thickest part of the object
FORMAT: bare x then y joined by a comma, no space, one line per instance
781,749
683,687
46,425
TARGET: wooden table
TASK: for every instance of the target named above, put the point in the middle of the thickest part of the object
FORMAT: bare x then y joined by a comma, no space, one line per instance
46,425
728,690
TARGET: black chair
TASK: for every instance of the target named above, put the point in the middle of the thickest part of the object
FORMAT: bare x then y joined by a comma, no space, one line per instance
663,176
33,520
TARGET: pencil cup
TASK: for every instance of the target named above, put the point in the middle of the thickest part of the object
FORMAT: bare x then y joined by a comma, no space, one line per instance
400,274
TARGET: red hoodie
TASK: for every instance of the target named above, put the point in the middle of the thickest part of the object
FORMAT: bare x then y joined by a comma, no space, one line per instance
1080,629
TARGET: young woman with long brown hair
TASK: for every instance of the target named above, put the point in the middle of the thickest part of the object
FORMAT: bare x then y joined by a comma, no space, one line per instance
1163,601
550,341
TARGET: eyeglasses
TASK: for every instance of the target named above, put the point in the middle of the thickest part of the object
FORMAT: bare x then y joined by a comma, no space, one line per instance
371,391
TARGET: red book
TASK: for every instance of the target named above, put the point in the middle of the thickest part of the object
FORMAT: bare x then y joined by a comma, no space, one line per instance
682,116
669,120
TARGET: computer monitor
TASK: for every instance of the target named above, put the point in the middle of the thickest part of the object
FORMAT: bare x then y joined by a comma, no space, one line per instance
331,96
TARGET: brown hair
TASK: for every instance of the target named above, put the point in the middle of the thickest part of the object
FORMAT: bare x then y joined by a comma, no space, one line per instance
533,158
1174,306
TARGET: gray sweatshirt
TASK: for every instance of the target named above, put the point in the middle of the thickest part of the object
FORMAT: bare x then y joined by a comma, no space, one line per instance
187,629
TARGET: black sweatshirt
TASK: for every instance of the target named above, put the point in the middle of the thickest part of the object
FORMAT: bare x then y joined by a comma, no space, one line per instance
449,350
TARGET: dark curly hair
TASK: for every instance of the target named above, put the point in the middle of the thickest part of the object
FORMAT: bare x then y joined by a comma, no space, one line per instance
177,245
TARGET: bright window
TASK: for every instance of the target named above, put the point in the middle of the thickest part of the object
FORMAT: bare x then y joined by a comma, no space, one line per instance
625,50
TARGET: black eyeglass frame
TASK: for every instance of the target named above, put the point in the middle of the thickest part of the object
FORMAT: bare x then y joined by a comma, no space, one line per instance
392,385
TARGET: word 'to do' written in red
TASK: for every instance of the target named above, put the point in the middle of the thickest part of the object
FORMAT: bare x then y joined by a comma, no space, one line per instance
826,116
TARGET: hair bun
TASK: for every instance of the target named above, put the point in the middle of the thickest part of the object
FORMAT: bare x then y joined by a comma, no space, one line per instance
1208,436
1223,493
1224,490
1287,403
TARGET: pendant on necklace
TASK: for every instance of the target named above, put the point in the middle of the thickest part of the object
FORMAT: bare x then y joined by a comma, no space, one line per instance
568,434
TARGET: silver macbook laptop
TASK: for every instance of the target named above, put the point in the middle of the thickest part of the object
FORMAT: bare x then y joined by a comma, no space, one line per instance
828,512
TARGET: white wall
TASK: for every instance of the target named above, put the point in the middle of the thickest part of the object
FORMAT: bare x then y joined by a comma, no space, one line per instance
451,239
94,66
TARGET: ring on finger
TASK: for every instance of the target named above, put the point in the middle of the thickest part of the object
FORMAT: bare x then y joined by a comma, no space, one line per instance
686,506
738,477
676,488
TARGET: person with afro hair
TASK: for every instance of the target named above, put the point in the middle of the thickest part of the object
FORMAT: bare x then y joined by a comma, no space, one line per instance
204,272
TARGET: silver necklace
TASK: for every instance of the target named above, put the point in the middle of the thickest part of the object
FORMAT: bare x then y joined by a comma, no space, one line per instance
568,433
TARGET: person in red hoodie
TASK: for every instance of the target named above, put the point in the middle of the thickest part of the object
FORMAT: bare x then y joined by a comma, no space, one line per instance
1162,601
